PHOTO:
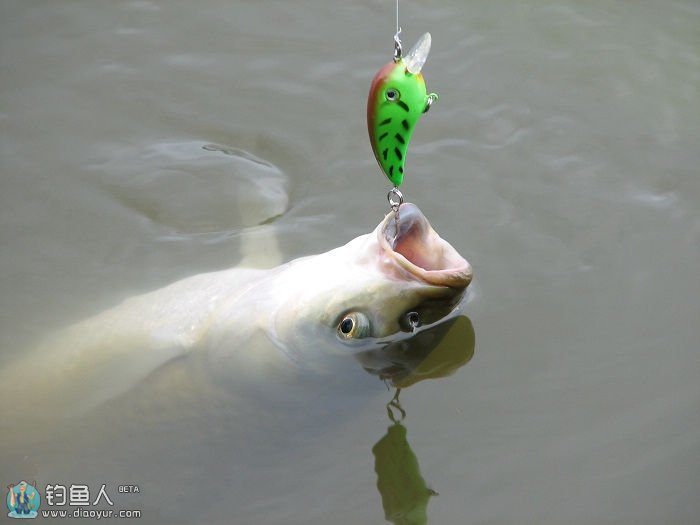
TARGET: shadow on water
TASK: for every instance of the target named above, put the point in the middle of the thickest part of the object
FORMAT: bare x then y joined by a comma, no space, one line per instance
431,354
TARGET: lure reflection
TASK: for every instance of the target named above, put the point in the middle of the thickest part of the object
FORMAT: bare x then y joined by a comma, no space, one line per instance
405,494
397,99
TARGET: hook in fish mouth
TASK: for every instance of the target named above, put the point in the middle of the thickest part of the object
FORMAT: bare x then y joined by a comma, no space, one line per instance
417,248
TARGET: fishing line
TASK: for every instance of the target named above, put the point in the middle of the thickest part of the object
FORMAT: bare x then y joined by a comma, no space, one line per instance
395,197
397,17
397,39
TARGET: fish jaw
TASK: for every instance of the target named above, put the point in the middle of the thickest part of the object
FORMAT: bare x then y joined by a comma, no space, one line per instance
390,123
384,275
413,246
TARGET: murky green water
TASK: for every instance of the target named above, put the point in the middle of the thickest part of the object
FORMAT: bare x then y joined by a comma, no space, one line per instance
561,160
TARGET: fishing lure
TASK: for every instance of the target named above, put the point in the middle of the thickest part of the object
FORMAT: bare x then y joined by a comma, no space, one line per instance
397,100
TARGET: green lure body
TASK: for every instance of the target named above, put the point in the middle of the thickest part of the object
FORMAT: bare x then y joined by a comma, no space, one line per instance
397,100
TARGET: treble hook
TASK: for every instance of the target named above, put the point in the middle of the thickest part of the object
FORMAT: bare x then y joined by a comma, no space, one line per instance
395,198
395,404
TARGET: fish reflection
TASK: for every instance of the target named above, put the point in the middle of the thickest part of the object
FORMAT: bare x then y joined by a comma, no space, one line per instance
431,354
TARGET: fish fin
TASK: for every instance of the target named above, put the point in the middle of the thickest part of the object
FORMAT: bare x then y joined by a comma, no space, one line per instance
260,247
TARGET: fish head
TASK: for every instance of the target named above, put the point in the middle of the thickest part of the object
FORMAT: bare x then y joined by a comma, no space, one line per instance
397,99
385,284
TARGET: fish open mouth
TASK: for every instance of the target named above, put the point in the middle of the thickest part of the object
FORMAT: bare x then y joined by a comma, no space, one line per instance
419,250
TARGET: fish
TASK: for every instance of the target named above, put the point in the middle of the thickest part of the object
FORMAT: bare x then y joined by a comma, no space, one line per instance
194,380
397,99
239,323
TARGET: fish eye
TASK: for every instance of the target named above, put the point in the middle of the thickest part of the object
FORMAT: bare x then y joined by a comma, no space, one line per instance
347,325
392,94
354,325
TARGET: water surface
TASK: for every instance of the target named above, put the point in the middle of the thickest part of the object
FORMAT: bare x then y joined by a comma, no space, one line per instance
561,159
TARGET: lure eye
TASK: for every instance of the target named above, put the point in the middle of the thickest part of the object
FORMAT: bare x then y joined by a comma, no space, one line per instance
354,325
392,94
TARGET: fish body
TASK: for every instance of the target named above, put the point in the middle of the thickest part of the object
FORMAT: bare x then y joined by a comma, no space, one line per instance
245,324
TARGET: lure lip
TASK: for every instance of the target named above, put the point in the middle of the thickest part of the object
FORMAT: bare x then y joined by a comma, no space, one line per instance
419,250
415,60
